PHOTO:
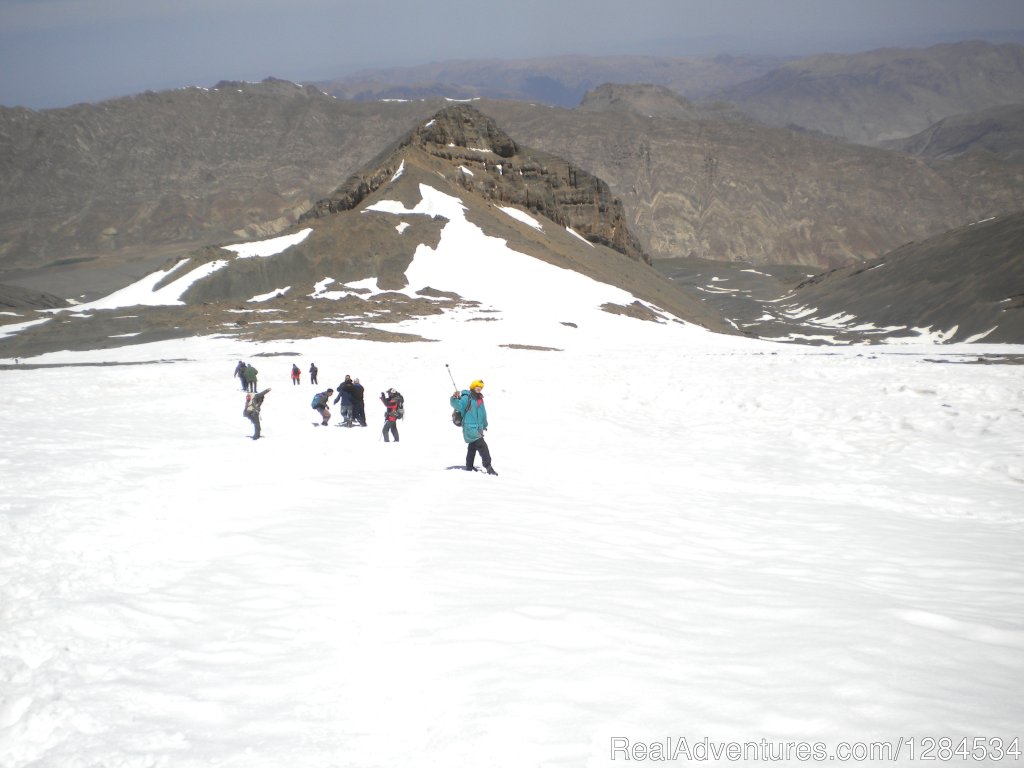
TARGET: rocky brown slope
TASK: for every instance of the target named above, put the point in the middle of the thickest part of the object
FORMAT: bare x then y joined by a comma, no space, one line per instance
13,297
996,132
886,94
703,184
184,167
969,281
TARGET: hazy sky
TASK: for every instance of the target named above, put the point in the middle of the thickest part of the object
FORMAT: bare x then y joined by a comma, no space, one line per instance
59,52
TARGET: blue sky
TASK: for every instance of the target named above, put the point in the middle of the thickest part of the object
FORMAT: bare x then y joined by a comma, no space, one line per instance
58,52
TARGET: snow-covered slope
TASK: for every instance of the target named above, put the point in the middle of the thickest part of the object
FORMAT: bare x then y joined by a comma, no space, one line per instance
691,537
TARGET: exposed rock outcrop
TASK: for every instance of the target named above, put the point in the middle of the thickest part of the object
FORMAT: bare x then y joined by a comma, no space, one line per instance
502,171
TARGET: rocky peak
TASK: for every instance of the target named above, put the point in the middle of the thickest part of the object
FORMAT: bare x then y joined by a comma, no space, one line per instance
466,127
270,86
484,160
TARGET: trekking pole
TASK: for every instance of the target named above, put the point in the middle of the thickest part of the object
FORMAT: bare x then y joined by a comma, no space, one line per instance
451,377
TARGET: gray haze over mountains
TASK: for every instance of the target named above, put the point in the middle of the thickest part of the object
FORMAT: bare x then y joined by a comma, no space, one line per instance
55,53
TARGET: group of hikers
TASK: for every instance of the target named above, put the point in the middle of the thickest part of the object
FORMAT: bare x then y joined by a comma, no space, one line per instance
350,396
297,374
246,374
467,406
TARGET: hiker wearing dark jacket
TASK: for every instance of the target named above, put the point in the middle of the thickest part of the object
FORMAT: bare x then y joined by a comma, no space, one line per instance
240,375
358,404
392,401
321,405
470,405
253,403
347,399
312,373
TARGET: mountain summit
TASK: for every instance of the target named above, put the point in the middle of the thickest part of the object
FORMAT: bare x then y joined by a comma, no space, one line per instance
498,169
504,189
449,219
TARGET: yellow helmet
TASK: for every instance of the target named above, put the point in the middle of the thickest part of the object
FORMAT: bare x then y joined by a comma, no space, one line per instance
477,383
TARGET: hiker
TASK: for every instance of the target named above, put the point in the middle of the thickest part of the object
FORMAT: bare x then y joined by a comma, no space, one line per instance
470,405
320,402
347,399
296,374
240,375
312,373
253,403
250,377
358,404
393,402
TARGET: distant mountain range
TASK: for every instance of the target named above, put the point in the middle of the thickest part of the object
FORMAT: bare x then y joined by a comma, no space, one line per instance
865,98
132,178
95,196
888,94
557,81
997,133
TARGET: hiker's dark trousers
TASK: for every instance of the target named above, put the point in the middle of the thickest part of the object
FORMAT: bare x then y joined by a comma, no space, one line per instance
478,446
392,428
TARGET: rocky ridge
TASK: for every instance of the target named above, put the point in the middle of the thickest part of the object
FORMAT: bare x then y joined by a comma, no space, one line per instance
996,132
500,170
882,95
184,167
704,184
967,284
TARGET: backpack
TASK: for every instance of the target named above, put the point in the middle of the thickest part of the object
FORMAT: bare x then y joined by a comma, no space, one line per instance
400,410
457,416
319,401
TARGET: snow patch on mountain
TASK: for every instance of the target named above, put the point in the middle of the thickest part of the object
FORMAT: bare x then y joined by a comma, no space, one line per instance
522,216
270,247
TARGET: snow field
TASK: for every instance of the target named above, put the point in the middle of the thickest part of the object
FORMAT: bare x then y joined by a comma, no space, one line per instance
735,544
691,536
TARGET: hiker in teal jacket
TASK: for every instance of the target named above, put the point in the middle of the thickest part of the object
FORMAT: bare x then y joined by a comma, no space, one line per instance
470,405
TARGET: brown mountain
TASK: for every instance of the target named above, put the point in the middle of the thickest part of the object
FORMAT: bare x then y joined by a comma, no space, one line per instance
13,297
968,283
533,180
886,94
458,152
467,155
866,98
700,183
177,168
996,132
108,191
